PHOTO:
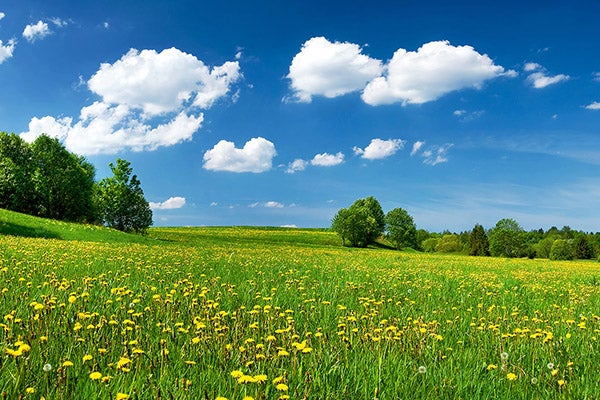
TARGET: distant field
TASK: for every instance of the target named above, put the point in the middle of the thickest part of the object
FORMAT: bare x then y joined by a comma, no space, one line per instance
203,313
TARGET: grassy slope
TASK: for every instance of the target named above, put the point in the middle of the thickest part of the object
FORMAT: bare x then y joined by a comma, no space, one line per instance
16,224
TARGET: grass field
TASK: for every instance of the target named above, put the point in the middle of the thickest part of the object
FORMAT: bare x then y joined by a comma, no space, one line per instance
203,313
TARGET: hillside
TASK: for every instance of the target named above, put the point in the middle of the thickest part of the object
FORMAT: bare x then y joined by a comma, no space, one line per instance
16,224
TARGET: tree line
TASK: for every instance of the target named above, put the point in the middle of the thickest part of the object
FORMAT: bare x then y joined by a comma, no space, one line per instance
364,223
44,179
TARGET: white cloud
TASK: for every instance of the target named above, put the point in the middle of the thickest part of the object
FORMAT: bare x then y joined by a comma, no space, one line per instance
540,80
296,166
323,68
438,155
169,204
379,148
327,160
416,147
256,156
593,106
37,31
106,25
596,76
59,22
6,50
163,82
531,66
435,69
149,100
539,77
459,113
289,226
2,15
273,204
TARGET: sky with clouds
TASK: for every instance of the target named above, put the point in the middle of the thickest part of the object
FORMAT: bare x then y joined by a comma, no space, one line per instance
281,113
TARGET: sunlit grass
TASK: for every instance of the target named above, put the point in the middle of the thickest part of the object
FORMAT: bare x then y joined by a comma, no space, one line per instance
269,313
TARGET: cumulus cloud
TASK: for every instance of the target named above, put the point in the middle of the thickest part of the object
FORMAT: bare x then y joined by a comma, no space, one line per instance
2,15
38,31
327,160
148,100
6,50
296,166
379,148
330,69
169,204
593,106
435,69
256,156
416,147
539,77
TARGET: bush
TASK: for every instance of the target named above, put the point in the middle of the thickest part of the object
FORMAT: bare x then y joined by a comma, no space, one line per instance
561,250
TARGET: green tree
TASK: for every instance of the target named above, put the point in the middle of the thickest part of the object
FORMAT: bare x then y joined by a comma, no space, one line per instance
543,247
449,243
17,192
478,240
64,182
429,245
361,223
562,249
401,229
373,210
120,200
582,250
507,239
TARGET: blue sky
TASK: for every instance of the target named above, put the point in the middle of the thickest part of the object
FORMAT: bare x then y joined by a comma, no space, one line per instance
280,113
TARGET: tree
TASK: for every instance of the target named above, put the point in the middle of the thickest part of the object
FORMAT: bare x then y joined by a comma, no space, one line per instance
63,181
361,223
507,239
582,250
401,229
449,243
17,192
121,202
562,249
478,240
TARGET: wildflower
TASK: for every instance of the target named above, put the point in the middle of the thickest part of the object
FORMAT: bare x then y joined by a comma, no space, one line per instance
282,353
121,396
550,365
491,367
221,398
504,356
277,380
87,357
123,362
47,367
248,398
511,377
554,372
260,378
246,379
95,375
422,369
237,374
534,381
67,364
561,383
30,390
282,387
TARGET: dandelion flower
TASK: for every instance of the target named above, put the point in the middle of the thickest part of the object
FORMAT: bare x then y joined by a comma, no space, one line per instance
47,367
561,383
422,369
67,364
534,381
282,387
554,372
260,378
248,398
504,356
282,353
491,367
122,396
277,380
30,390
511,377
95,375
550,365
221,398
237,374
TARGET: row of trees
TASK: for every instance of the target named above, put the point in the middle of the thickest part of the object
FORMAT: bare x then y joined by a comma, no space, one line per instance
45,179
364,222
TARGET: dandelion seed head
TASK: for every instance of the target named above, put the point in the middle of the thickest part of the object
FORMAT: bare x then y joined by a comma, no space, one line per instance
504,356
47,367
422,369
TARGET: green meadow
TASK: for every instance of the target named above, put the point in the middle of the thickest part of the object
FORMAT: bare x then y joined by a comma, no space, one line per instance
274,313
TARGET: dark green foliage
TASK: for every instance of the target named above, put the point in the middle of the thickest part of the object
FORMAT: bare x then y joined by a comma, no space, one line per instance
17,191
507,239
478,240
64,182
401,229
120,200
360,224
562,249
582,250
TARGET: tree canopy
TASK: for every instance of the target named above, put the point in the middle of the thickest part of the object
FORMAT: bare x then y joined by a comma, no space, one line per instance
401,229
120,200
361,223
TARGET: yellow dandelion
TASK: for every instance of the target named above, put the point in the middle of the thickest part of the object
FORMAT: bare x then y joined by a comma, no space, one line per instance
237,374
30,390
221,398
282,353
561,383
491,367
282,387
67,364
277,380
248,398
87,357
511,377
121,396
261,378
95,375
